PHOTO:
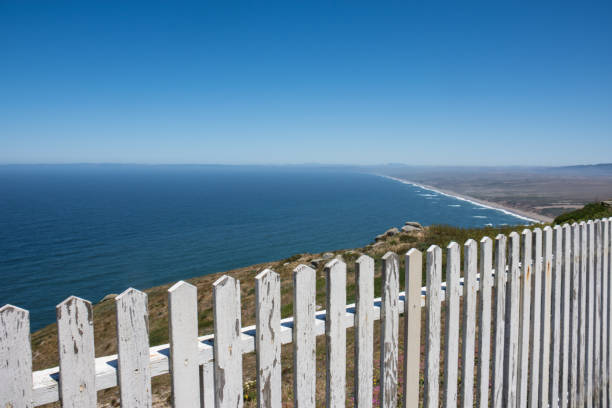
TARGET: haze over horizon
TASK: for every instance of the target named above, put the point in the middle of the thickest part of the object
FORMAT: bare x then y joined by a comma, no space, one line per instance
182,83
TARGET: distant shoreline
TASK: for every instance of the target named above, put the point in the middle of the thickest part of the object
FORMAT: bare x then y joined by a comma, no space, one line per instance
522,214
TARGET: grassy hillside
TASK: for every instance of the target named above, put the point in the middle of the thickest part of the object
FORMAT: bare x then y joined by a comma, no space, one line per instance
590,211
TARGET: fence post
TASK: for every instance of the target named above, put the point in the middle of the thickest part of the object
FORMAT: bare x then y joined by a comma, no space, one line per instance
75,338
335,333
524,323
500,316
304,336
15,358
227,345
267,339
389,335
184,362
133,347
535,321
484,310
432,346
364,331
412,327
470,269
451,343
511,320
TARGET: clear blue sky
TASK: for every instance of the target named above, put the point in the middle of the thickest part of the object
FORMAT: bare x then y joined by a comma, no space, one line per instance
227,82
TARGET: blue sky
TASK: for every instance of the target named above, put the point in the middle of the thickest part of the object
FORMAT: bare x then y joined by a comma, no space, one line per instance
230,82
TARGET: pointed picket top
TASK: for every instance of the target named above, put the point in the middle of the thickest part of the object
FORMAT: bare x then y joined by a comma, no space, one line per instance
181,287
76,353
333,265
15,357
129,293
266,273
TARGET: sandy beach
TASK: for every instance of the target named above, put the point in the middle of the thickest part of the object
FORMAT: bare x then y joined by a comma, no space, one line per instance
526,215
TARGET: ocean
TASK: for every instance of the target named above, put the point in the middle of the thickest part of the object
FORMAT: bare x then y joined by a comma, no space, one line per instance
90,230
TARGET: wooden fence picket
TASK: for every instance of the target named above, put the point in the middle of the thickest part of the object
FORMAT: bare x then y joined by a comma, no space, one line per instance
555,329
605,350
335,333
207,385
432,345
565,316
451,342
575,313
545,322
535,319
484,311
609,311
500,326
75,337
590,318
15,358
268,343
227,346
133,348
364,331
183,331
470,285
582,344
512,323
524,318
389,336
597,315
304,337
412,327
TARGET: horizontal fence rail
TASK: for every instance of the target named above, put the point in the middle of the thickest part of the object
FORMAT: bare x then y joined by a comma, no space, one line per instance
536,335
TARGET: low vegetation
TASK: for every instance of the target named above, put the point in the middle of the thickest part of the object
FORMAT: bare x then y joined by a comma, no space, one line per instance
590,211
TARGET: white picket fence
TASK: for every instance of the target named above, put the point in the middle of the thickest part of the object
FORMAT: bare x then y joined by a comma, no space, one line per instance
540,332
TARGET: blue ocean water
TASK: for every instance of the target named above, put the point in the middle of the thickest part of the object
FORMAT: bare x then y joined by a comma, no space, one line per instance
93,230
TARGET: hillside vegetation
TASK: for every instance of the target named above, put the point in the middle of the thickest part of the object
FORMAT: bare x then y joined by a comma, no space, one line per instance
590,211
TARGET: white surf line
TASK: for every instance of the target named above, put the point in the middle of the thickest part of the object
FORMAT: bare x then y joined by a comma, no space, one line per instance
522,217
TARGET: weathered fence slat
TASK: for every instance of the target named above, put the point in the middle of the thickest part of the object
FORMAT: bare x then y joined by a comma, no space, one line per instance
133,348
389,336
364,331
15,358
227,346
412,327
553,393
597,315
335,333
470,270
500,316
565,316
605,350
545,310
304,338
575,313
512,323
75,337
536,318
432,346
451,342
207,385
183,325
484,310
582,344
590,318
609,312
524,321
268,344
